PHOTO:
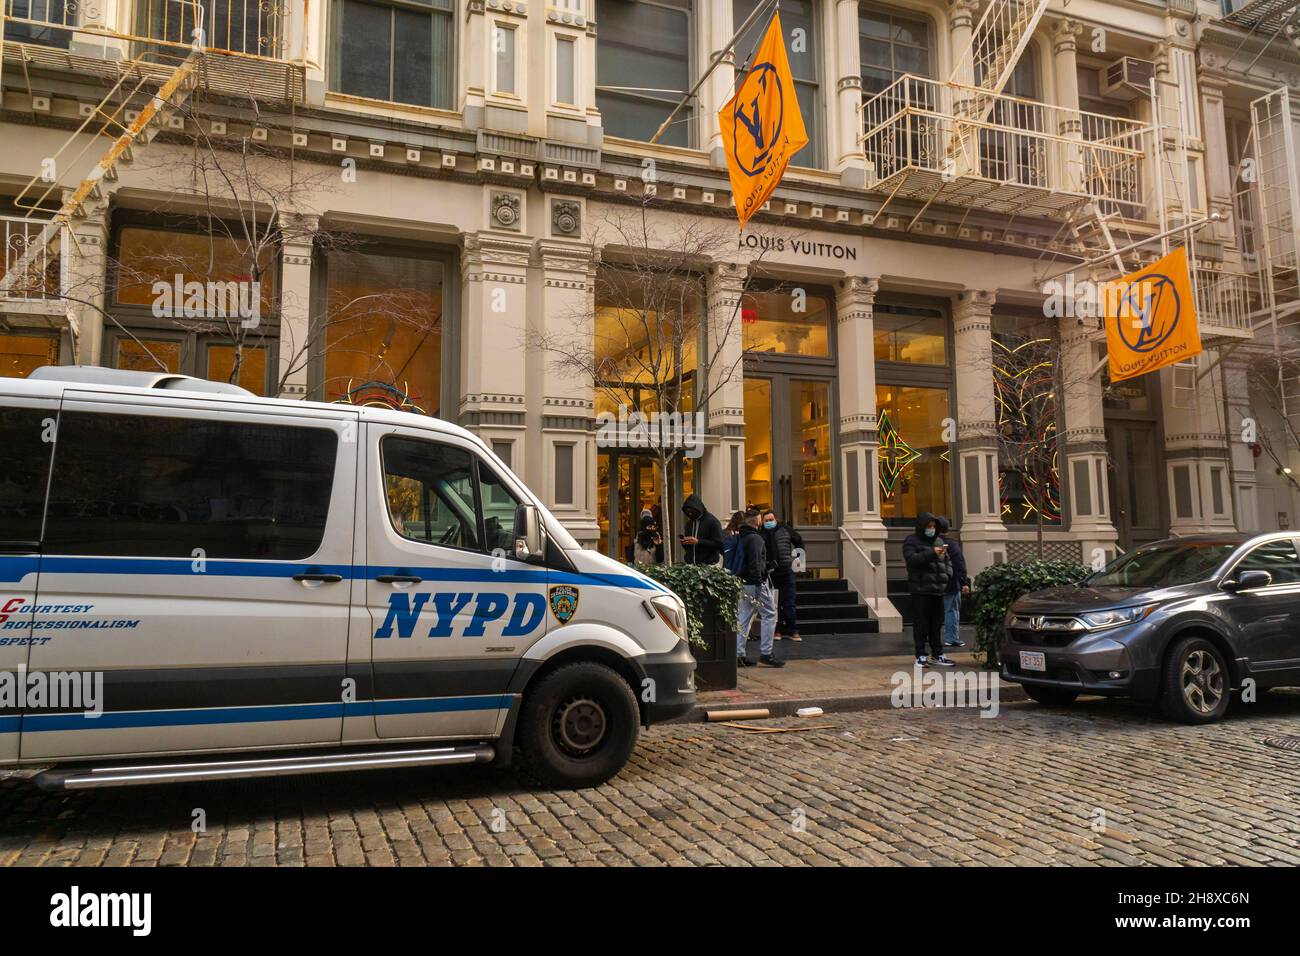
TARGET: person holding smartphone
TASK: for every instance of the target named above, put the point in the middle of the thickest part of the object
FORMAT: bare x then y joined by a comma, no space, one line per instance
929,569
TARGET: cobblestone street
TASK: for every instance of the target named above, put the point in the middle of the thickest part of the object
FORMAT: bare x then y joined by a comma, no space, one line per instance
1030,786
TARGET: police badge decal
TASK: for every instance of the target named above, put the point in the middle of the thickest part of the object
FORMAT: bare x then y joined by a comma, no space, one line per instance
564,602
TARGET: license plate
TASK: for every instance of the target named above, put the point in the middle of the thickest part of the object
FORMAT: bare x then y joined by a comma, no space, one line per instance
1033,661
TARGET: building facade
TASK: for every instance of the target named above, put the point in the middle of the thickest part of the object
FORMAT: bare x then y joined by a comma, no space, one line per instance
449,191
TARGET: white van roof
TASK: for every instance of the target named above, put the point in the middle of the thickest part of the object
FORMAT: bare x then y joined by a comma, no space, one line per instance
49,380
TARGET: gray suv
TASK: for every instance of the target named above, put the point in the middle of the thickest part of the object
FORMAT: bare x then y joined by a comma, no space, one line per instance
1184,622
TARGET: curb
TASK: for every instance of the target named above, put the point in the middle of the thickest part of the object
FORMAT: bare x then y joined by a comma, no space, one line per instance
831,703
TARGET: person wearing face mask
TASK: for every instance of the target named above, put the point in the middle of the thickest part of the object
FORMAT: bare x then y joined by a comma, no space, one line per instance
782,540
929,569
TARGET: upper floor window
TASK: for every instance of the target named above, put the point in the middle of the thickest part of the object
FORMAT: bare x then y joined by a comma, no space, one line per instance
643,68
397,50
251,27
37,21
799,24
891,45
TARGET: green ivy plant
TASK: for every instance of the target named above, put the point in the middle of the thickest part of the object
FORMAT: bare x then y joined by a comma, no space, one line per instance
702,587
1000,585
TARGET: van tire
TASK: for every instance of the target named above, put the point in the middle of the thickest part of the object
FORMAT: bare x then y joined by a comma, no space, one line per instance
1179,686
1050,696
579,726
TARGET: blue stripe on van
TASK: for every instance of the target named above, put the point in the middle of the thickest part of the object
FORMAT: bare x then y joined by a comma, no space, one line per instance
9,725
34,723
14,569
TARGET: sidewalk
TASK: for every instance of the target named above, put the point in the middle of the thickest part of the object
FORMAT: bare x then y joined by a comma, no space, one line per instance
832,683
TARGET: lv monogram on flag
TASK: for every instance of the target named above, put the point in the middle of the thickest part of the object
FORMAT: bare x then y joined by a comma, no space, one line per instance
1151,318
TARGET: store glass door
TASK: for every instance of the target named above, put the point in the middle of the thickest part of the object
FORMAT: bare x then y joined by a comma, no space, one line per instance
1135,474
788,454
627,484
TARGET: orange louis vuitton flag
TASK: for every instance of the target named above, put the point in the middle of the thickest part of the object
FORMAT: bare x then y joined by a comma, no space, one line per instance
1151,318
761,126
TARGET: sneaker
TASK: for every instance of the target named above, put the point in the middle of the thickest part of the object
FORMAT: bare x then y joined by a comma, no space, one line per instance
942,661
922,660
954,643
743,661
767,660
796,637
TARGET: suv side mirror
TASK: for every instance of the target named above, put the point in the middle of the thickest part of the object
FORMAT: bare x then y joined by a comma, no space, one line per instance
1247,580
529,541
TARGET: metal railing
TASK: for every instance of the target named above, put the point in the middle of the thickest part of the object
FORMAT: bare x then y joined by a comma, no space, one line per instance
245,28
875,579
42,273
1225,301
929,126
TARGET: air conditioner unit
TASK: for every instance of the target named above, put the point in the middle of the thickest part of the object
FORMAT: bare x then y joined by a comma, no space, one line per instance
1127,78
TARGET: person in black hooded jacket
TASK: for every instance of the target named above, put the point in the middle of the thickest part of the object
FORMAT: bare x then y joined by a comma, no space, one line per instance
929,569
702,536
958,585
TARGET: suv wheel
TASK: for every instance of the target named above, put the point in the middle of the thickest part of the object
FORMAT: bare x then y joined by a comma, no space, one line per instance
1050,696
1196,686
579,726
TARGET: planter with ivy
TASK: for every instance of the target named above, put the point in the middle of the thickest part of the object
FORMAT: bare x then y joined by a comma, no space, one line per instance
711,596
999,586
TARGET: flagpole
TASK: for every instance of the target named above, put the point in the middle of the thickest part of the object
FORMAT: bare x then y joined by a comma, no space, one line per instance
717,58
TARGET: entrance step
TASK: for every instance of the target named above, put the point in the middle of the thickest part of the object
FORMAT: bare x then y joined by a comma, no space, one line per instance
830,606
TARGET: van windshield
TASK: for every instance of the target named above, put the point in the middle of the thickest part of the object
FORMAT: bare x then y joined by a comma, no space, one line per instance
1163,565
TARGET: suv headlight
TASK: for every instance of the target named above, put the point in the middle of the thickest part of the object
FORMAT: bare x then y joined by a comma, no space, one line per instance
1099,620
672,612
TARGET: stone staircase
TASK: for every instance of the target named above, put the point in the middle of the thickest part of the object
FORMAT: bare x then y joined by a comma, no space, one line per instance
830,606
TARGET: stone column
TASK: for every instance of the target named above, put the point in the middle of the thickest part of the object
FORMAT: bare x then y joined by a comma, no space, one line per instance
720,479
494,302
1242,433
473,73
851,164
84,244
568,436
1068,172
855,303
983,535
1220,178
1196,449
961,20
719,28
1083,450
295,304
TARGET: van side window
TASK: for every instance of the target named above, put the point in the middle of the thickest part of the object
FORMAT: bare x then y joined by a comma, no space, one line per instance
498,511
1278,558
155,486
24,471
430,492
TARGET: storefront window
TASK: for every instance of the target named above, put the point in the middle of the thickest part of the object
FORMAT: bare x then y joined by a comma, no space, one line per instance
21,354
647,333
1026,385
146,256
914,458
384,331
910,334
787,322
146,355
758,442
252,367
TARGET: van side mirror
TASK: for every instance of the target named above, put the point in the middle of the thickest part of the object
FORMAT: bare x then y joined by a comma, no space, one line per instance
529,540
1247,580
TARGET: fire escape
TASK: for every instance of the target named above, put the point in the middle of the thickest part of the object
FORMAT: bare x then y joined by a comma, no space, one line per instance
233,48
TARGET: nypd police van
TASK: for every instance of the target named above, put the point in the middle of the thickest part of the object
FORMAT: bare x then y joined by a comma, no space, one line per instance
260,587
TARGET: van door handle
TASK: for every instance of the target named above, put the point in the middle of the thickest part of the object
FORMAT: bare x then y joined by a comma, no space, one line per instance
322,578
398,579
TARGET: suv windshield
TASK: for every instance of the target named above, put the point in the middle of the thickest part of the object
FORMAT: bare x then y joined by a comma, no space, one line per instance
1163,565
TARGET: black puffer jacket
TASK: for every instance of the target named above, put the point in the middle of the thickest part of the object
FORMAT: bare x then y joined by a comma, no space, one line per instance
707,528
927,573
960,577
753,550
781,542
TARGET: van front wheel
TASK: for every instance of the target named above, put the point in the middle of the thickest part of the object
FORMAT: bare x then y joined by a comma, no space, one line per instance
579,726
